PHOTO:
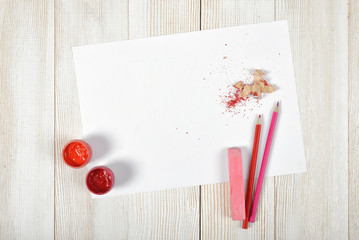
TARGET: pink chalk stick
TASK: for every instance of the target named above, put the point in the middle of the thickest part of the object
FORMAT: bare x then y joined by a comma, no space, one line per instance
236,183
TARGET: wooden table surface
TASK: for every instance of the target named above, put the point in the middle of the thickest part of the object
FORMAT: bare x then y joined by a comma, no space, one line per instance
41,198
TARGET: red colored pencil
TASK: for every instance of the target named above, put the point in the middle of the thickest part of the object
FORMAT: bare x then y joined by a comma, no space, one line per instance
252,171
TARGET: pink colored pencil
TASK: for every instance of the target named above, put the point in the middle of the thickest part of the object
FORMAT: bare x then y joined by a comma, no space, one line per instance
264,164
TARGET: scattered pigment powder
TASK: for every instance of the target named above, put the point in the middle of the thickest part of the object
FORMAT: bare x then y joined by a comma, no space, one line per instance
237,98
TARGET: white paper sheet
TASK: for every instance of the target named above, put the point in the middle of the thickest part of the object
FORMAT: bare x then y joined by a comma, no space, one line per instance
152,108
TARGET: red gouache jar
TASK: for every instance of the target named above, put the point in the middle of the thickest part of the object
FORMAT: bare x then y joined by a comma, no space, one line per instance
77,153
100,180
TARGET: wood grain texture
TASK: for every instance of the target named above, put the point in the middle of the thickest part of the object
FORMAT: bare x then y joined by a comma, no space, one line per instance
26,120
171,214
353,120
314,205
321,204
216,222
76,23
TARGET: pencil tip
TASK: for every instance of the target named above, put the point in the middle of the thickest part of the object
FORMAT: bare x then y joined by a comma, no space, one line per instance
259,116
278,104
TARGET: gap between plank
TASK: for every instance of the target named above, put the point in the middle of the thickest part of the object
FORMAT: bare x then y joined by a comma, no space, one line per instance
200,186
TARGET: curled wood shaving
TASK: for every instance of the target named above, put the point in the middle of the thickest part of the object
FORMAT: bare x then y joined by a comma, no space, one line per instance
260,86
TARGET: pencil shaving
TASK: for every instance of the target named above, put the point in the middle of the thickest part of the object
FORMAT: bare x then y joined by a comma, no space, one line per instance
257,88
239,85
258,72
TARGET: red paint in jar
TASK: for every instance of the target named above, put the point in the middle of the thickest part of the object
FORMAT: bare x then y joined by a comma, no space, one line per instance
77,153
100,180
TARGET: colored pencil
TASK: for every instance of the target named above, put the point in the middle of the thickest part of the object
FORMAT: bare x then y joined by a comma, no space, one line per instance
264,164
252,171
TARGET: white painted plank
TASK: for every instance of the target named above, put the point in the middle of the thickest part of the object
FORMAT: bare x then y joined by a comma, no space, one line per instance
216,222
172,214
76,23
26,120
353,120
315,205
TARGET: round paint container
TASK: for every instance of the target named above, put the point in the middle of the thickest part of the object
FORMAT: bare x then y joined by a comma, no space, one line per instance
100,180
77,153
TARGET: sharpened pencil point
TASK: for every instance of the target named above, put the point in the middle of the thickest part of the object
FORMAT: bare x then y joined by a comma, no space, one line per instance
276,107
